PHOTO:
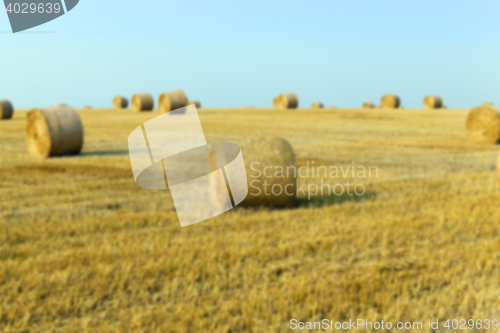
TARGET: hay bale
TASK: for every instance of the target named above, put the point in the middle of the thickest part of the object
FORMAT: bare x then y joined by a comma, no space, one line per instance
286,101
196,103
142,102
317,105
368,105
259,153
433,102
483,124
390,101
54,131
444,107
6,109
173,100
120,102
498,168
88,107
487,104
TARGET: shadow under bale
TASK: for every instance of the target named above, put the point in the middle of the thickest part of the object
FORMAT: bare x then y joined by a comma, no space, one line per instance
331,200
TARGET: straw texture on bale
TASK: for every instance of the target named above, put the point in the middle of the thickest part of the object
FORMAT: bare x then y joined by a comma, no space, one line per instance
433,102
317,105
6,109
286,101
274,153
390,101
142,102
196,103
483,124
54,131
173,100
120,102
498,168
368,105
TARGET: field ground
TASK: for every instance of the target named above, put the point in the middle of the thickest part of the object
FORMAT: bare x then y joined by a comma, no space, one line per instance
83,249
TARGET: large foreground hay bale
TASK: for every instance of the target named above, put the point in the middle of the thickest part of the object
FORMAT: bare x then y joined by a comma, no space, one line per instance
483,124
173,100
286,101
120,102
317,105
6,109
273,153
498,168
368,105
54,131
433,102
390,101
143,102
196,103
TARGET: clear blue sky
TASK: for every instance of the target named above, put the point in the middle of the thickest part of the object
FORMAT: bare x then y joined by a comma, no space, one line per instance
239,53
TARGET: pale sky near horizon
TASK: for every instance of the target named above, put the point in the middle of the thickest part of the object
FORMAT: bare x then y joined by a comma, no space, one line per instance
239,53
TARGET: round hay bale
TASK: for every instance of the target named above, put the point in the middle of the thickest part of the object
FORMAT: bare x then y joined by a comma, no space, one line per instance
275,154
173,100
487,104
317,105
498,168
444,107
286,101
54,131
433,102
88,107
196,103
6,109
368,105
483,124
390,101
142,102
120,102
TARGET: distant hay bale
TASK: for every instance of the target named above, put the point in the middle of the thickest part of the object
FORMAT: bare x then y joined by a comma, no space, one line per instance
317,105
54,131
88,107
120,102
196,103
433,102
444,107
390,101
6,109
487,104
368,105
286,101
142,102
276,154
483,124
173,100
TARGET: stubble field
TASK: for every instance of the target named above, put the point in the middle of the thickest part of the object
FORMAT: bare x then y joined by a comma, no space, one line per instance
83,249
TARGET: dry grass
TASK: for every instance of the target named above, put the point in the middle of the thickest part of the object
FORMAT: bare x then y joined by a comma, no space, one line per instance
82,249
